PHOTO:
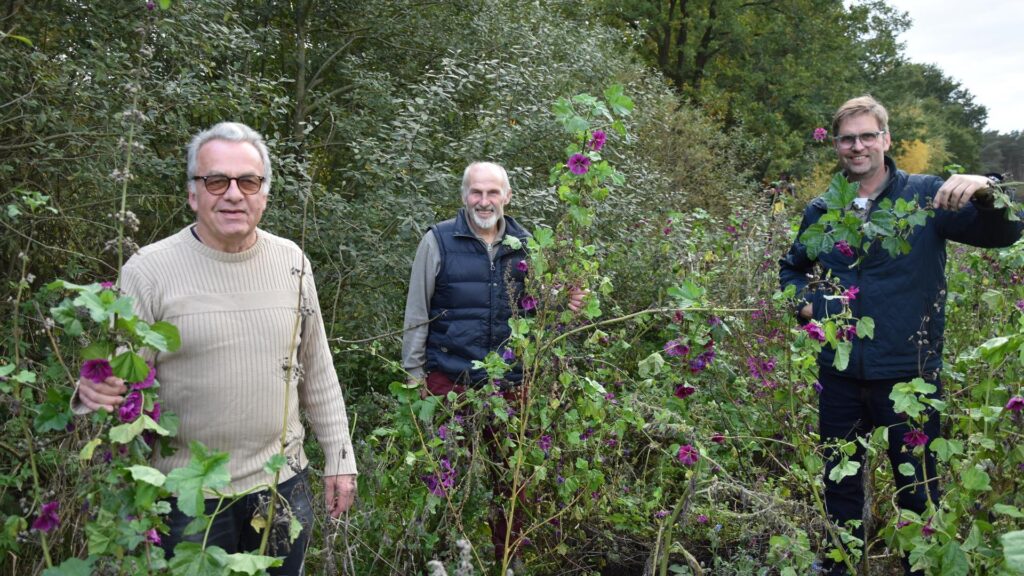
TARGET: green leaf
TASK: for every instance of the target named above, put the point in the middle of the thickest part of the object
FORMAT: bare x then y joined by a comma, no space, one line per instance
945,449
543,237
205,470
976,479
953,560
866,327
687,294
844,469
651,366
165,4
90,448
55,413
842,359
253,563
592,309
130,367
192,559
993,298
125,433
1013,550
72,567
147,475
275,463
1007,510
907,469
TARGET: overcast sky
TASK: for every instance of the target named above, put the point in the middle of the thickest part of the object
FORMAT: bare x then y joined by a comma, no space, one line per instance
979,44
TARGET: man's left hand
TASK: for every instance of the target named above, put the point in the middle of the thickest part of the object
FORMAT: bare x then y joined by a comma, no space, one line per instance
576,296
957,192
339,493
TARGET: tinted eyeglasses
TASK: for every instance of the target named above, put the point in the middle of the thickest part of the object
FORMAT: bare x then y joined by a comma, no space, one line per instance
866,138
218,185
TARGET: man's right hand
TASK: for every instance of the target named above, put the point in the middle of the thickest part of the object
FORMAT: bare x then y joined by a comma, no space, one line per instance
106,395
420,383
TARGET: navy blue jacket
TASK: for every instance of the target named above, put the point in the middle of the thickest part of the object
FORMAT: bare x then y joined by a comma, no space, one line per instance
473,299
903,294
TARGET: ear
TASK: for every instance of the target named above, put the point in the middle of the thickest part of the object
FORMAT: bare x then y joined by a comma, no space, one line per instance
507,199
886,141
192,201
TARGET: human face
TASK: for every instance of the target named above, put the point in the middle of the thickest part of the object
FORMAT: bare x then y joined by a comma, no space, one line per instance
863,163
227,222
485,200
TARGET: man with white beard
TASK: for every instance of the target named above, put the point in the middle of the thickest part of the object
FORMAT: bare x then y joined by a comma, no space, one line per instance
464,284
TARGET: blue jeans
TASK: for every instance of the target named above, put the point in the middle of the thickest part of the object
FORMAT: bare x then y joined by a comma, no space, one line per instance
848,408
232,529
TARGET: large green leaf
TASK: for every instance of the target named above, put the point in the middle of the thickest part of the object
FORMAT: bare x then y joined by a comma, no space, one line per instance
251,563
205,470
192,559
72,567
1013,550
953,560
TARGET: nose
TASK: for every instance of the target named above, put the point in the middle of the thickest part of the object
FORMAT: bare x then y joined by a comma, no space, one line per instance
233,193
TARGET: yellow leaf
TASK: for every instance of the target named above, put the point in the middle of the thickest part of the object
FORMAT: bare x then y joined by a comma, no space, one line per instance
258,523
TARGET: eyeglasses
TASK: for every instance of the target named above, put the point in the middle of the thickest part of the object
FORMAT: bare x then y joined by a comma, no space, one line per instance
866,138
218,185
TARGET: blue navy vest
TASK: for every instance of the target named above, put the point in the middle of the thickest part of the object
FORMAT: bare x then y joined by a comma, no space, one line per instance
473,300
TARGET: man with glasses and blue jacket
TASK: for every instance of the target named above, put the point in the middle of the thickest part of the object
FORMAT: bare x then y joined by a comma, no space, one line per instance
904,294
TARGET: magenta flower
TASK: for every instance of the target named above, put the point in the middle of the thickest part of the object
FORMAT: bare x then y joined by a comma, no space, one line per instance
844,248
684,390
927,530
443,480
131,408
578,164
850,293
848,332
702,519
146,382
152,536
96,370
820,134
688,455
718,438
597,140
814,331
155,413
915,438
676,348
1016,404
508,355
667,230
522,266
48,520
106,285
150,5
528,303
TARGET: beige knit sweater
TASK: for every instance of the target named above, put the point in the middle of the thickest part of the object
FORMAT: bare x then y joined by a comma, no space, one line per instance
237,313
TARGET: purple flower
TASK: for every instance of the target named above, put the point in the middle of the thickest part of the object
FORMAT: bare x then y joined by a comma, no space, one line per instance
661,514
442,432
688,455
814,331
578,164
818,387
844,248
1020,304
927,530
146,382
676,348
152,536
915,438
522,266
714,321
544,443
702,361
850,293
718,438
528,303
48,520
848,332
820,134
611,442
508,355
702,519
684,390
667,230
155,413
131,408
1016,404
610,397
150,5
441,481
96,370
106,285
597,139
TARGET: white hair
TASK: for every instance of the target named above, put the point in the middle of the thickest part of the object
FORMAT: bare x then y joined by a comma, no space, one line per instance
231,132
505,187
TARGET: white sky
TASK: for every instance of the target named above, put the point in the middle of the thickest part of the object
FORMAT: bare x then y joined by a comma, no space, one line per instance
980,44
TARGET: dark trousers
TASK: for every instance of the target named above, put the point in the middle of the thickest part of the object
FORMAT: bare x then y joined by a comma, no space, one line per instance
232,529
848,408
440,385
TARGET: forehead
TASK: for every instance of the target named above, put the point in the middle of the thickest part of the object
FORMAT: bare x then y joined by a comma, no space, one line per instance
485,178
860,123
229,157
